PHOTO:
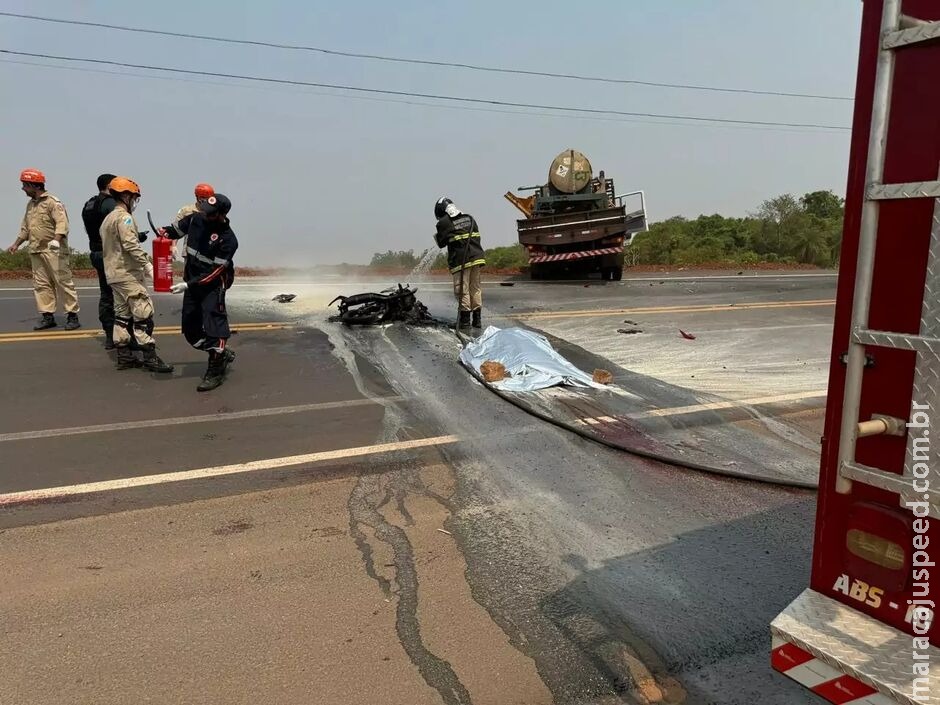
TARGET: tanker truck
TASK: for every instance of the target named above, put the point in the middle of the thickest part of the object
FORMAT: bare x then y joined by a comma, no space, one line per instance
576,224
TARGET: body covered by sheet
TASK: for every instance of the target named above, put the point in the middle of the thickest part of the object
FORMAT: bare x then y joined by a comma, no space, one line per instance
528,357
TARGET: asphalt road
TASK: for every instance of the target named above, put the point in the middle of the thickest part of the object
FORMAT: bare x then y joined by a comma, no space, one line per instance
353,518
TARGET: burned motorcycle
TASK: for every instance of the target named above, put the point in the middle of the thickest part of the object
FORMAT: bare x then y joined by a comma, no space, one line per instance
387,306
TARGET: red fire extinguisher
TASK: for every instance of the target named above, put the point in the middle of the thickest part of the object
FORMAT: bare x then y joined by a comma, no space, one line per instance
162,260
162,264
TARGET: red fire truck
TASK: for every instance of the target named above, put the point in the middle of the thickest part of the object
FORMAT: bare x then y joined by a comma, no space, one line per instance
862,631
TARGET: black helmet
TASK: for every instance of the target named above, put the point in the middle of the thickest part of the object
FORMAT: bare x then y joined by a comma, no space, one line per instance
218,203
441,207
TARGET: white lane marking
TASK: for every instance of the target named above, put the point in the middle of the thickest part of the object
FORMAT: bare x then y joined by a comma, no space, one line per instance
710,406
55,493
181,420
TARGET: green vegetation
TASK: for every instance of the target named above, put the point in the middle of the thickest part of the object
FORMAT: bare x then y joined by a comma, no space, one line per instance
509,257
397,259
19,261
783,229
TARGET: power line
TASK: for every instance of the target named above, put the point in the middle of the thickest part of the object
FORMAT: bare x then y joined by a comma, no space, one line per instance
524,113
423,62
432,96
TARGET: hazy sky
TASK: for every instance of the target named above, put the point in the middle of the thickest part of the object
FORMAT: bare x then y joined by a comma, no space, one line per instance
317,176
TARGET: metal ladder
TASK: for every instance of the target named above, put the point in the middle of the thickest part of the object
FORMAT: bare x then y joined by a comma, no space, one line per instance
898,31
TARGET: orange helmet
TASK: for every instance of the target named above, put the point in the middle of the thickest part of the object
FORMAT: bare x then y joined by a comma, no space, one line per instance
120,184
204,191
32,176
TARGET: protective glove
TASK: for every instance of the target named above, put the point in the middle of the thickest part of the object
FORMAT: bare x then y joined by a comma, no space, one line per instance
149,271
54,245
179,288
142,236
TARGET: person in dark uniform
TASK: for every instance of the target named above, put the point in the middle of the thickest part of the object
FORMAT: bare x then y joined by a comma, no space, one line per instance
208,273
94,212
459,233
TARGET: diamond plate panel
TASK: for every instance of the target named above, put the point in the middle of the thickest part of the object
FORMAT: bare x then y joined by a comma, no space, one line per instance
901,341
855,644
916,189
927,372
901,485
914,35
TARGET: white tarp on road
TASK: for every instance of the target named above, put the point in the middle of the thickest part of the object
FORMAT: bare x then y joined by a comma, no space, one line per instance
528,357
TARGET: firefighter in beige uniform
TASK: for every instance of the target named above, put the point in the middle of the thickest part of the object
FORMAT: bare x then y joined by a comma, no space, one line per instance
202,192
45,227
127,267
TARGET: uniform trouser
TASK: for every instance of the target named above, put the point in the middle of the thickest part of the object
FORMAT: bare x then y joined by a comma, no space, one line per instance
133,315
105,295
205,320
52,279
472,298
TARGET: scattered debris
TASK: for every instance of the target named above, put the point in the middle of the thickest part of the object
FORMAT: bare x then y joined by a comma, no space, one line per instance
740,273
631,323
690,291
687,336
629,331
445,531
384,307
507,283
284,298
493,371
603,377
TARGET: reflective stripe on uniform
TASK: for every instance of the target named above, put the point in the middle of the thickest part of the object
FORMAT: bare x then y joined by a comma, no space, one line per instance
474,263
465,236
207,260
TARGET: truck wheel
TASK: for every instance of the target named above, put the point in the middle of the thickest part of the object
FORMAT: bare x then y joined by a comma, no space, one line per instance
536,272
616,274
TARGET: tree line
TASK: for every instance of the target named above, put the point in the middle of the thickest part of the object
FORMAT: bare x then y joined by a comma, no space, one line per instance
785,230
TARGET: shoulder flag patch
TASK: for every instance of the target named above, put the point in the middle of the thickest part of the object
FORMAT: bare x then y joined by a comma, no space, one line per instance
128,221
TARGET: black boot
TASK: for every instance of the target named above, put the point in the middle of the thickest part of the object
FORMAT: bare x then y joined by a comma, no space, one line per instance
126,359
71,322
464,320
477,318
215,372
153,362
45,322
108,340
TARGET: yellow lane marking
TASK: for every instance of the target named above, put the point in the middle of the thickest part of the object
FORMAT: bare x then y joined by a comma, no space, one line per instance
83,334
708,308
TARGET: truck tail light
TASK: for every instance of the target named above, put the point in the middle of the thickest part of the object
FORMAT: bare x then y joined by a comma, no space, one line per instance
875,549
613,240
878,545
